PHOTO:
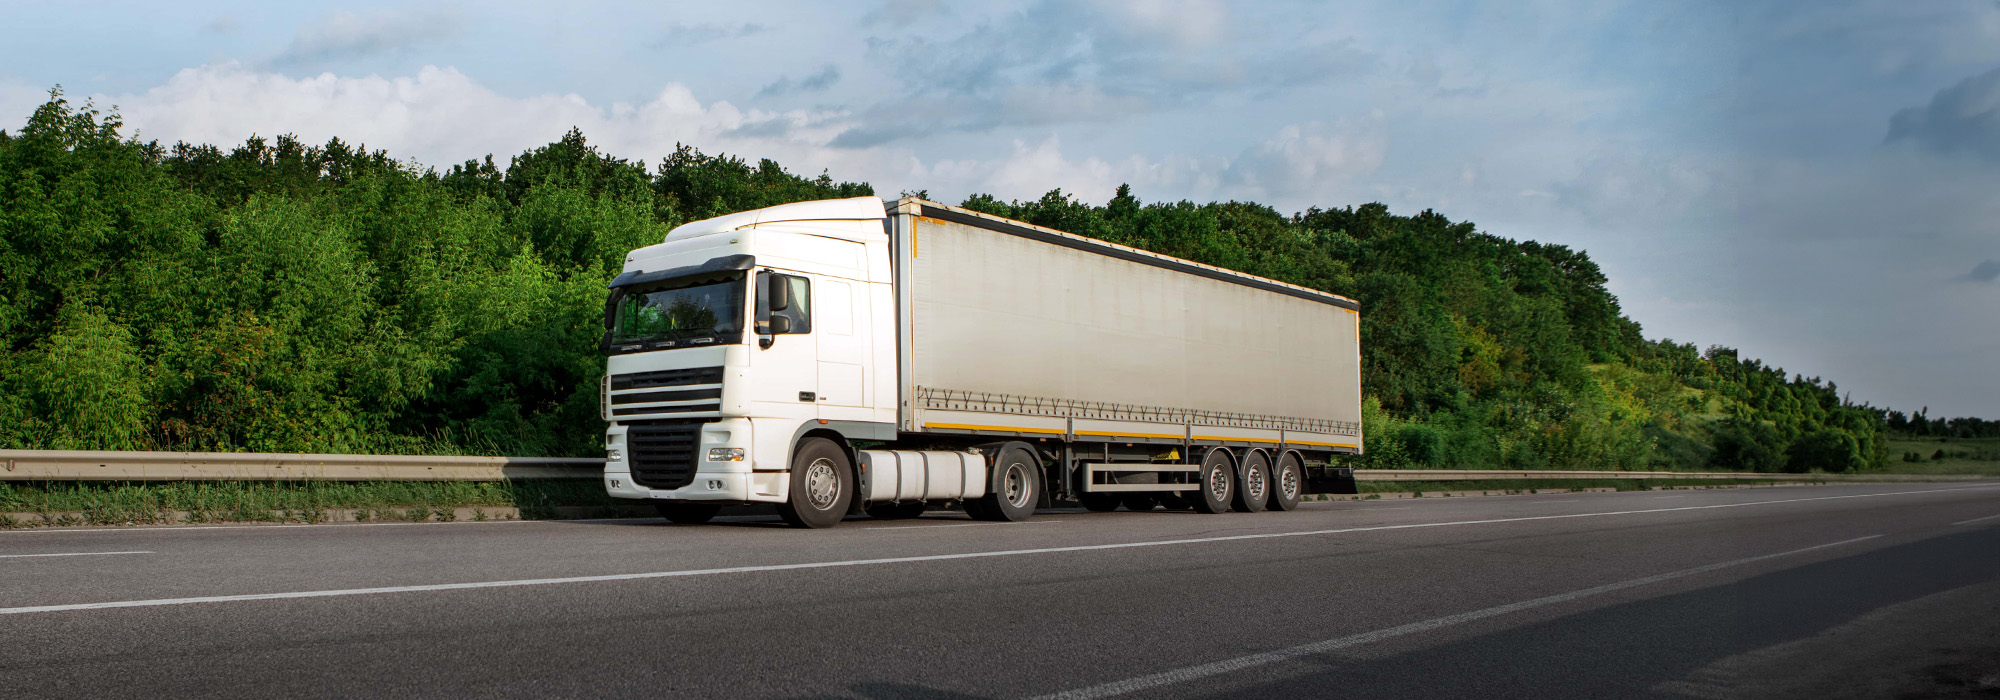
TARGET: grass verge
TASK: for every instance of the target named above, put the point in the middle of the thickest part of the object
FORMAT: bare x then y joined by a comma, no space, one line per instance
112,502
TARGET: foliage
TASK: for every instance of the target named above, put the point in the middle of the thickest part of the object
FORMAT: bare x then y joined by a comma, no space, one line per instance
1482,351
279,296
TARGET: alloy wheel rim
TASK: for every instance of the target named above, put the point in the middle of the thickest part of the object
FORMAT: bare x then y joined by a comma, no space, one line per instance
1289,482
822,484
1218,481
1016,487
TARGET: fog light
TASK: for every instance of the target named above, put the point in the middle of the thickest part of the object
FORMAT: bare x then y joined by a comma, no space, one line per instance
725,454
616,484
614,455
714,485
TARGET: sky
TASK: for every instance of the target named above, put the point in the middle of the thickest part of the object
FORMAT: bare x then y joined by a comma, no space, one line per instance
1815,182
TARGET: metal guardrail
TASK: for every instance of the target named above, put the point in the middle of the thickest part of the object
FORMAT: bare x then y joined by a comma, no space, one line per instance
69,465
1512,475
76,465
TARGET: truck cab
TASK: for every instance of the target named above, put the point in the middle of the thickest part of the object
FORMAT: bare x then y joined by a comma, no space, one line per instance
736,338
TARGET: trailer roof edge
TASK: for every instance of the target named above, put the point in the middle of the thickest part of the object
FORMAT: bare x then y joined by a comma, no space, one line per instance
946,212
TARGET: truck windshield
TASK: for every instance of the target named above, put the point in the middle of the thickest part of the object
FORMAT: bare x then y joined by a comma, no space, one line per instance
679,313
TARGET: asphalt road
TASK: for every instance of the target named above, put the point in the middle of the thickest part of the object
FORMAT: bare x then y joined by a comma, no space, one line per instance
1725,593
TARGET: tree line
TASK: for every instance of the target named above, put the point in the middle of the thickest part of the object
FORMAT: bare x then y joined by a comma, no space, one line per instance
285,297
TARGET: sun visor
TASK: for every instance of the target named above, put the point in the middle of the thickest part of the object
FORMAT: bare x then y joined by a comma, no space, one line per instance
725,263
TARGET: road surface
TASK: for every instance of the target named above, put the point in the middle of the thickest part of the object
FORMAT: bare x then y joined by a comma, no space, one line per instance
1811,591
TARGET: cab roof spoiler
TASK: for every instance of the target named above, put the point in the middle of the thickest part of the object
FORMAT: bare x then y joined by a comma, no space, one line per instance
725,263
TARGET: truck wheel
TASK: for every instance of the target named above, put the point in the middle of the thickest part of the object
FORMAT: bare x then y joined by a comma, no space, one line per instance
1098,502
1017,486
1141,502
896,511
1255,490
1218,483
822,485
1287,482
688,513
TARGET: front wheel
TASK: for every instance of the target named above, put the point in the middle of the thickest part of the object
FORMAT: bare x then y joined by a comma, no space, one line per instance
822,485
1017,485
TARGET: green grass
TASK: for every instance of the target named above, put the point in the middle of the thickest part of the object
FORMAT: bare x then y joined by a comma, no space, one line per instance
106,502
1962,456
1545,485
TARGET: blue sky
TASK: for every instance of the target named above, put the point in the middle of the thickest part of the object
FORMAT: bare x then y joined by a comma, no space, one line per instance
1813,182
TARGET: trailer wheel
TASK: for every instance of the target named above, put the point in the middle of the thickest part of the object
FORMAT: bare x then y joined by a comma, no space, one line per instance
1096,502
1255,490
1017,487
896,511
1288,481
1218,483
1141,502
688,513
822,485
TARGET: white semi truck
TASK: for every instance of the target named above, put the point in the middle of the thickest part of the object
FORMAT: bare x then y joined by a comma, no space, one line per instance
840,357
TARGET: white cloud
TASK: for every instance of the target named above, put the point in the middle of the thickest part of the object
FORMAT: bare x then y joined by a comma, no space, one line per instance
1313,159
346,35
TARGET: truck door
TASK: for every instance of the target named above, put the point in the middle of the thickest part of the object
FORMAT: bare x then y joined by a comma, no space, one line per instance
785,378
843,351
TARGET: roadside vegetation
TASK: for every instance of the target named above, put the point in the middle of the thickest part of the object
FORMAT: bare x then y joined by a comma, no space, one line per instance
104,503
276,296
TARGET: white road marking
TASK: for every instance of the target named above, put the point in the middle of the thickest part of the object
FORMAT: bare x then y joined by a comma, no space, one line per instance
1974,520
892,560
1215,668
64,554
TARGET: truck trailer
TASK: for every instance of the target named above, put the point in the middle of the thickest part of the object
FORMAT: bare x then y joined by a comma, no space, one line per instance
841,357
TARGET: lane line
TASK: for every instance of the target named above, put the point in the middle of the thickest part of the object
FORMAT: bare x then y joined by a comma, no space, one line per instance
1974,520
890,560
65,554
1240,663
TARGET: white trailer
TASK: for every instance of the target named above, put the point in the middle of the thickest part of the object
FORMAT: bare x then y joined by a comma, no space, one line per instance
836,357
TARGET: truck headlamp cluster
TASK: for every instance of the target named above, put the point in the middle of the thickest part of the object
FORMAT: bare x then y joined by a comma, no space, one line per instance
614,455
725,454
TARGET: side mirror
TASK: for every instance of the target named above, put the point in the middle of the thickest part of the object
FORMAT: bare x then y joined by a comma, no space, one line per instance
771,328
778,292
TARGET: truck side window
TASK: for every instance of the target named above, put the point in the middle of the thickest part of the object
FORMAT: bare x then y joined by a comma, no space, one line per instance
801,309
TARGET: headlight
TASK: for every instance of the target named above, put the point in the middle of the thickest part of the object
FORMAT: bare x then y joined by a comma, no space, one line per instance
614,455
725,454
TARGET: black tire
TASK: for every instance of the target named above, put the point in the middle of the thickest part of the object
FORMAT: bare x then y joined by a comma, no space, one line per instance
896,511
1176,500
1016,488
1140,502
1218,483
1097,502
688,513
1288,482
822,485
1254,488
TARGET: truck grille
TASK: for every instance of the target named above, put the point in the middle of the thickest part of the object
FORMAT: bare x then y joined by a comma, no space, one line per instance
666,377
663,454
